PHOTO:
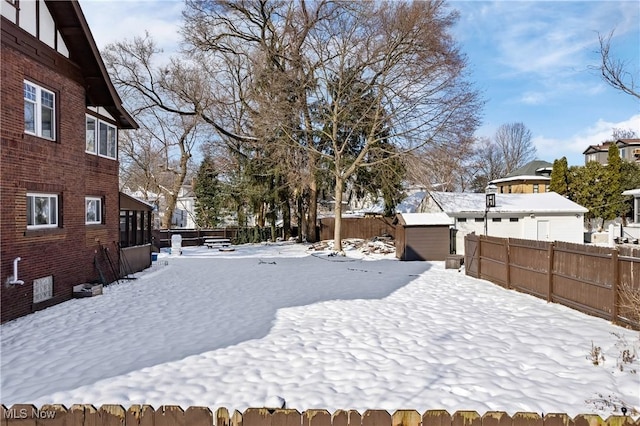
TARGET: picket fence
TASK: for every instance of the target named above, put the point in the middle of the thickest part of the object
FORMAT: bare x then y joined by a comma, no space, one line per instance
141,415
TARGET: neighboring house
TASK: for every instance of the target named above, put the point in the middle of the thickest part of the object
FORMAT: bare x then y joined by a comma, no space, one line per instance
545,216
629,151
59,215
184,215
632,229
531,178
599,153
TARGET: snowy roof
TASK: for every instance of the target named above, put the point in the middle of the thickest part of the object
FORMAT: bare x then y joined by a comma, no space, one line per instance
463,202
632,192
533,170
413,219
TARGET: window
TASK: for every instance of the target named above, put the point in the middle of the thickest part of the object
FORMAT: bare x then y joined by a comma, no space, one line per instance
496,219
42,211
107,140
93,210
479,219
101,138
462,219
39,111
513,219
42,289
91,135
536,188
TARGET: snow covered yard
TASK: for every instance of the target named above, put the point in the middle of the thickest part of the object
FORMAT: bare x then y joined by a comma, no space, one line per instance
246,328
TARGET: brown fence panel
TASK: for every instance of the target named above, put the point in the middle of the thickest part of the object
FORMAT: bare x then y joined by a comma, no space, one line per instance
471,255
358,227
496,418
629,285
529,266
107,415
600,281
493,260
406,418
583,278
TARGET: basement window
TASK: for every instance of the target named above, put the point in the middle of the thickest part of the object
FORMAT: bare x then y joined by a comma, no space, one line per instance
42,289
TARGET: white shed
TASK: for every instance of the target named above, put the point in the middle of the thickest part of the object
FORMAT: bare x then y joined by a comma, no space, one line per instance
545,216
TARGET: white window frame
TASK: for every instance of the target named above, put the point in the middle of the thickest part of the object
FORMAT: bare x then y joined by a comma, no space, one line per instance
104,144
35,97
42,289
91,134
97,201
31,207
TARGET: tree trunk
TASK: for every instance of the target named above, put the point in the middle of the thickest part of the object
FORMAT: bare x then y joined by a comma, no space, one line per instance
312,214
286,219
337,231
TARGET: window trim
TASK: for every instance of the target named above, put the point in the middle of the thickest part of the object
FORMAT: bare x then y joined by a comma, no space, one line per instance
99,211
86,140
33,195
38,107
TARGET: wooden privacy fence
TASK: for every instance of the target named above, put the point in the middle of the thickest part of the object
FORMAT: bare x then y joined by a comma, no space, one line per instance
600,281
358,227
116,415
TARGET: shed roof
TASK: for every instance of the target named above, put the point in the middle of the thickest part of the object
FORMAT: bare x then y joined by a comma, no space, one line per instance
547,202
424,219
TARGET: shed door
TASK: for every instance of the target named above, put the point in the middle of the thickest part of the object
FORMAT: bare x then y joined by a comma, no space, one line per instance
543,230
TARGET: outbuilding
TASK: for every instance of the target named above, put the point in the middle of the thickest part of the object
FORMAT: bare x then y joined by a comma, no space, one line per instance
544,217
422,236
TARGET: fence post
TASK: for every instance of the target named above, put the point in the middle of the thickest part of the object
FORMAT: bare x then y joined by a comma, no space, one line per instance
550,272
614,285
480,257
507,263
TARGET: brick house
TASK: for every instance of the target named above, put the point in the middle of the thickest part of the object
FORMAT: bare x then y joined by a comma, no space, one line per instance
59,200
532,178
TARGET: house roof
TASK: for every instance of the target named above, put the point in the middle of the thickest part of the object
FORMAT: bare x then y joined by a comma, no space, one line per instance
127,202
417,219
531,171
628,142
546,202
604,147
73,27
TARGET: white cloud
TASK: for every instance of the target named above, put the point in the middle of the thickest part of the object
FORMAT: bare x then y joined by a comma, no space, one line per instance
533,98
116,20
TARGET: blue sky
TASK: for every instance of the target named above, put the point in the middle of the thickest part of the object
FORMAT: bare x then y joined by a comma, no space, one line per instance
532,61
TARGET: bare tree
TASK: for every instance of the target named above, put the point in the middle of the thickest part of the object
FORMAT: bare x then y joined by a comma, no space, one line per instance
615,71
513,141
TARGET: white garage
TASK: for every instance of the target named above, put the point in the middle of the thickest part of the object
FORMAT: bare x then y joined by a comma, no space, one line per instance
546,216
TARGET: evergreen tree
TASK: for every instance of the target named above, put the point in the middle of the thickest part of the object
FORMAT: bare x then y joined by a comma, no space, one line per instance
560,177
587,188
613,185
208,195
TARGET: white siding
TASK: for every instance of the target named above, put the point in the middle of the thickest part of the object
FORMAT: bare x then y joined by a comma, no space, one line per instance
28,16
8,11
47,26
566,227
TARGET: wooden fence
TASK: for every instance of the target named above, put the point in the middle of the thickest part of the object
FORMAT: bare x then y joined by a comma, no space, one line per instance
592,279
116,415
358,227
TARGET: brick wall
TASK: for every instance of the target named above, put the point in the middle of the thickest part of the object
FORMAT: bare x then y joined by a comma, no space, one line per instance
34,164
